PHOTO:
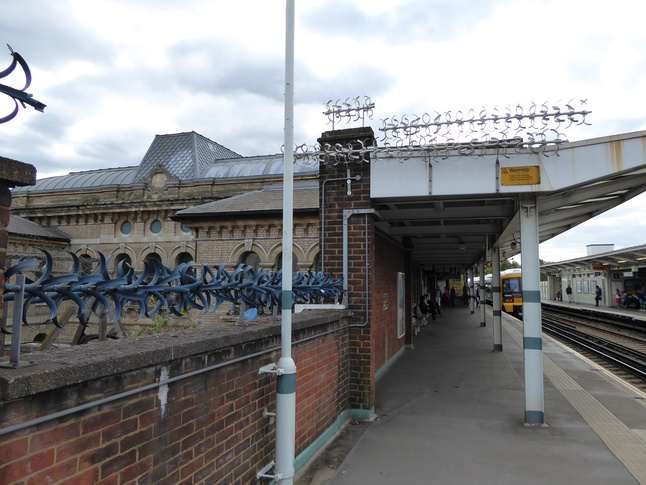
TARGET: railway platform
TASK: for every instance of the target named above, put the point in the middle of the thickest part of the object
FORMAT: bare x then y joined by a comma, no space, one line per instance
451,412
586,307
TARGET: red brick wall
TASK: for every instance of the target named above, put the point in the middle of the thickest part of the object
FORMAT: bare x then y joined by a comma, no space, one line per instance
203,429
335,200
385,342
373,341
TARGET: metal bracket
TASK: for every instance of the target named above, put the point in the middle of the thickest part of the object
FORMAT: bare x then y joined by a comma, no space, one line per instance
263,473
276,477
271,369
528,210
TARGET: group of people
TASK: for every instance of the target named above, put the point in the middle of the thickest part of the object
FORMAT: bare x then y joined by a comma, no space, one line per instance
433,305
621,299
624,299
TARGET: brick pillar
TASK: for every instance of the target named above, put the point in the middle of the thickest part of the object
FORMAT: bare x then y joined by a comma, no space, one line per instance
12,174
361,240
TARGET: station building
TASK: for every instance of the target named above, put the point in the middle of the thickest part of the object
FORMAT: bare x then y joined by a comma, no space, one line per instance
126,213
393,223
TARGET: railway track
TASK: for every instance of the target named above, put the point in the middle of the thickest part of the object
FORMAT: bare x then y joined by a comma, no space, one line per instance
619,346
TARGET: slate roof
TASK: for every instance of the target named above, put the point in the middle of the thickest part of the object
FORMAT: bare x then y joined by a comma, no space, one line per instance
269,199
267,165
79,180
186,156
22,227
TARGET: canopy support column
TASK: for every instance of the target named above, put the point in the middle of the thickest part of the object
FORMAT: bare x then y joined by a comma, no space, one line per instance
495,295
483,296
532,337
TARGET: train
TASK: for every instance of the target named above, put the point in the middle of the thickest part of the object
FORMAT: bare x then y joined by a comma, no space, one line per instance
511,291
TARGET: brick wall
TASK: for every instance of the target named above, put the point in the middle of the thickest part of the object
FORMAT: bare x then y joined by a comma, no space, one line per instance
373,263
202,429
385,341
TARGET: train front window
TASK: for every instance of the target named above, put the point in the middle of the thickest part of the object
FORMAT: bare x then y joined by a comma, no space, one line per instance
511,285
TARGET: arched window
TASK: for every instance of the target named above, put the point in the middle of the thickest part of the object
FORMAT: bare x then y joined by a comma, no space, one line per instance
183,258
251,259
316,264
125,259
85,264
279,262
154,262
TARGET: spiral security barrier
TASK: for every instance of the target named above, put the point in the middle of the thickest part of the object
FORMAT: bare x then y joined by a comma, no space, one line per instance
18,95
158,288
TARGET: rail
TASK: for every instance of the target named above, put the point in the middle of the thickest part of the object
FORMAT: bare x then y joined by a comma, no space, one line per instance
623,346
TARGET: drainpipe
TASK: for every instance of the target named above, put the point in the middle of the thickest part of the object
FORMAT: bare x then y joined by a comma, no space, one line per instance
367,253
348,180
346,215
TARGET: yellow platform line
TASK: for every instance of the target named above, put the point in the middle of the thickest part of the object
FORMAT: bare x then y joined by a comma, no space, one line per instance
625,444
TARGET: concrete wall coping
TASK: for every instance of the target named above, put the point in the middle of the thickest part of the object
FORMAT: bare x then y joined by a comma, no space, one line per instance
62,367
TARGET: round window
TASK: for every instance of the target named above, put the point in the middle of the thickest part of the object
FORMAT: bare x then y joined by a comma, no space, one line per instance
126,228
156,227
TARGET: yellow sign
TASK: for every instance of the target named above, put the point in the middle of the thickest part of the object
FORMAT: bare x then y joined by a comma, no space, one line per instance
598,268
520,175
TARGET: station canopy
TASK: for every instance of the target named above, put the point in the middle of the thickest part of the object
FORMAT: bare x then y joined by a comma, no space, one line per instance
449,211
634,256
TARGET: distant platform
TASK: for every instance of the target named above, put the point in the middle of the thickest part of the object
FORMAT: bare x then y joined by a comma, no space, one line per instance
585,307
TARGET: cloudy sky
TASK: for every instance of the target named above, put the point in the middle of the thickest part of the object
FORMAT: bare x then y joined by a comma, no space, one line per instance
114,73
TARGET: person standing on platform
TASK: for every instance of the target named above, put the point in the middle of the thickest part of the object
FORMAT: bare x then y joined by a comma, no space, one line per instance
597,296
426,306
568,292
452,297
465,294
618,298
437,301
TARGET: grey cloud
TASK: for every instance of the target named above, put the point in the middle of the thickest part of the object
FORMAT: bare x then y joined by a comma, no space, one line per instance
413,20
51,35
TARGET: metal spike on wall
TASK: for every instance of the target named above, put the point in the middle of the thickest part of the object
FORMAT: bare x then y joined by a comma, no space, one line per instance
159,288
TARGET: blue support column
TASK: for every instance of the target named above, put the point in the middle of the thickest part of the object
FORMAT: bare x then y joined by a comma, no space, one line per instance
532,337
